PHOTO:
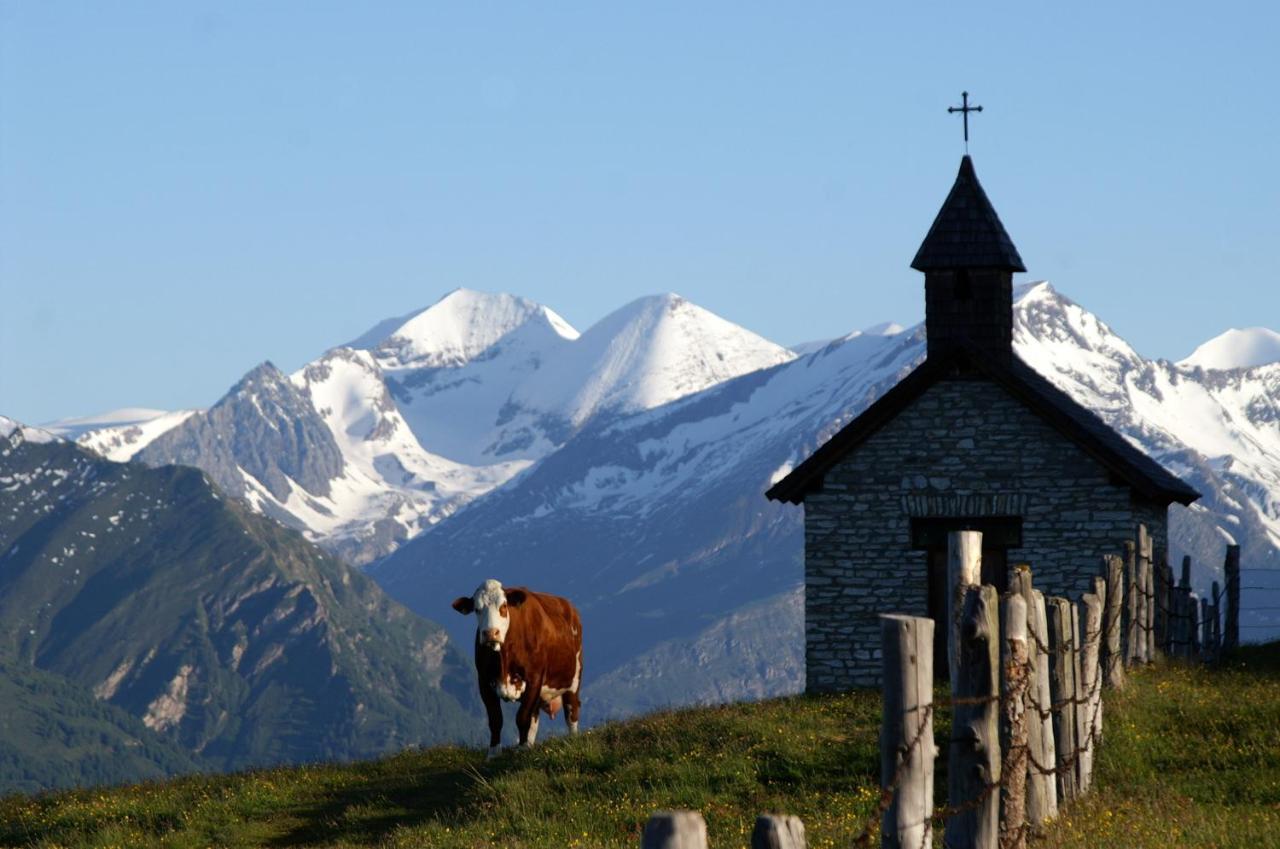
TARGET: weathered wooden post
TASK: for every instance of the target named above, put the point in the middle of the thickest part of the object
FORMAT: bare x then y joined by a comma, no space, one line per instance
1037,804
1193,612
777,831
1092,688
907,749
1186,629
964,569
1115,602
1062,687
1231,575
1043,706
1206,630
675,830
1082,713
1015,664
973,765
1149,592
1215,622
1159,621
1133,597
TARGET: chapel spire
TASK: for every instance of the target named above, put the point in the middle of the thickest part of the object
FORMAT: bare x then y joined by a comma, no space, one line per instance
968,262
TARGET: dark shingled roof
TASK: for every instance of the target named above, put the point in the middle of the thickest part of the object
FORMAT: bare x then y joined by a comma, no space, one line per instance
1078,424
967,232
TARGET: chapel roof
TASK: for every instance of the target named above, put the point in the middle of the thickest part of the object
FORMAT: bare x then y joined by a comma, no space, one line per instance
1041,397
967,233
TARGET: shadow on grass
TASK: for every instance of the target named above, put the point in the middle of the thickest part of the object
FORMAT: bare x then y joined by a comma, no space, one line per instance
1258,658
366,813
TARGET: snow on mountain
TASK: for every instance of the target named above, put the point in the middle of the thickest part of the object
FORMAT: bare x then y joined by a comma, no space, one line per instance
1253,346
648,353
31,434
72,428
671,534
884,328
457,400
1219,429
369,445
460,327
390,487
119,434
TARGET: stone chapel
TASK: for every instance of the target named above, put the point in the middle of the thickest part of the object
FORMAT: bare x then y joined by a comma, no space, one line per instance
972,439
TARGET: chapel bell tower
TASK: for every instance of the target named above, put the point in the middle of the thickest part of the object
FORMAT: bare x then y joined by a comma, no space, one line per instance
968,262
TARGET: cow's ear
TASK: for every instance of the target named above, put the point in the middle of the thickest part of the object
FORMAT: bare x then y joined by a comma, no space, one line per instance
515,598
464,605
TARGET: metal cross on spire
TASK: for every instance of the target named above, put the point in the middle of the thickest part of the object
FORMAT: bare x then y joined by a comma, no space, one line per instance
965,110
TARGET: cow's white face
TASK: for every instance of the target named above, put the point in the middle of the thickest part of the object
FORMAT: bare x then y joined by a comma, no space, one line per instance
492,608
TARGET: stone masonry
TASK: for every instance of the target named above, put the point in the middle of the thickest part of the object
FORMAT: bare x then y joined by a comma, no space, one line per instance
963,448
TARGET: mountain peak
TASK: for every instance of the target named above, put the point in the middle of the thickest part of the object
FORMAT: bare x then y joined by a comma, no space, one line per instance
649,352
27,433
264,373
1236,349
459,327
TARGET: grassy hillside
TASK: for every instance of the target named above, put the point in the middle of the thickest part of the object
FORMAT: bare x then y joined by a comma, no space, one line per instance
1190,760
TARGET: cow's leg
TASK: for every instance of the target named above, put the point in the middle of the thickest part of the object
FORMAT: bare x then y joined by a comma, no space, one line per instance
571,703
493,707
571,706
527,716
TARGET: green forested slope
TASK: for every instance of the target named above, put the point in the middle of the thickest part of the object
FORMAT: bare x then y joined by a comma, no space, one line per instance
225,633
55,734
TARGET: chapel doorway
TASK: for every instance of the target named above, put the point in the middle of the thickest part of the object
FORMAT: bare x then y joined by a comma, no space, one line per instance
999,534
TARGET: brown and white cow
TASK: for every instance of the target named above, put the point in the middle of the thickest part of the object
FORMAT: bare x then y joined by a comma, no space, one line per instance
528,649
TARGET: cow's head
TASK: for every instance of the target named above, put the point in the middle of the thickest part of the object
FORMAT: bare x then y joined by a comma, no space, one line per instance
491,604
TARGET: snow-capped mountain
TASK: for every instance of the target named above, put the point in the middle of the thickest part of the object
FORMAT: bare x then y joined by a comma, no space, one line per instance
375,441
1253,346
26,433
655,522
646,354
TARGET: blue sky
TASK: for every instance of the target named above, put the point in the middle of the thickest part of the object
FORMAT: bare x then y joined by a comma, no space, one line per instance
187,189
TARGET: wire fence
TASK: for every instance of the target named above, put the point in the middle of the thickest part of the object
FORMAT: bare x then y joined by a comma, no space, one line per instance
1022,741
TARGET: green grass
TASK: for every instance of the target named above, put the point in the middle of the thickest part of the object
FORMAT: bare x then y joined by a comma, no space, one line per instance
1190,759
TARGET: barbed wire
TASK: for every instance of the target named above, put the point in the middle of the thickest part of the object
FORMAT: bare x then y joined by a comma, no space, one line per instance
1089,696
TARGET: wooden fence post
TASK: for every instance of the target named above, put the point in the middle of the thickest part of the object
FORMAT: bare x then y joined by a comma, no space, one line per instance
1132,620
964,569
907,750
1186,631
1037,803
1149,592
1092,686
973,765
1015,662
1231,576
675,830
1206,630
1215,622
1160,622
1043,706
775,831
1193,613
1062,688
1082,713
1115,602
